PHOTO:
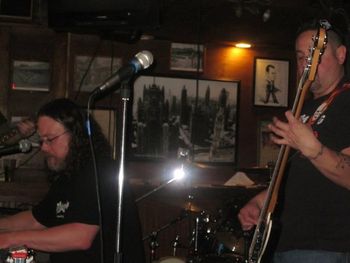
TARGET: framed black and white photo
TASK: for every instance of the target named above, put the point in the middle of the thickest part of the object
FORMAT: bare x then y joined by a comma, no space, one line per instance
31,75
90,74
172,113
271,82
186,57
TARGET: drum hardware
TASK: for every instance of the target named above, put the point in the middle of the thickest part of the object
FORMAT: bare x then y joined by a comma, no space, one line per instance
234,244
247,239
153,244
202,237
219,236
176,244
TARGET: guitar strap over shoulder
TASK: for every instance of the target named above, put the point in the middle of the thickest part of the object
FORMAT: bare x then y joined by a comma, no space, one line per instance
325,105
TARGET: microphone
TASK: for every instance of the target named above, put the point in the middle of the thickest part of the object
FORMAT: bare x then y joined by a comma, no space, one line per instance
23,146
142,60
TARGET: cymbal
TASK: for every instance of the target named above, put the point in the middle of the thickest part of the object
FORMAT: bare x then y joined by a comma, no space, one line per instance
231,242
202,198
190,206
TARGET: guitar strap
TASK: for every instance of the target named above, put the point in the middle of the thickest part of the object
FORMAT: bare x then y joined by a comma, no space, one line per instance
325,105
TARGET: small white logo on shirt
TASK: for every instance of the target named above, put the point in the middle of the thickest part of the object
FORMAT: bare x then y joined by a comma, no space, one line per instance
304,118
61,209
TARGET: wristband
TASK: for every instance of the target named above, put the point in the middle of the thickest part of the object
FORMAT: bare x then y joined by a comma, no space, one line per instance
320,152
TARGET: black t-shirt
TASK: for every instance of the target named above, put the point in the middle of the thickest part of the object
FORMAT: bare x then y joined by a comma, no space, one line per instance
316,211
73,199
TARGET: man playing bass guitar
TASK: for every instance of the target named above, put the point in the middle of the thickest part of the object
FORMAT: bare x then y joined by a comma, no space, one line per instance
315,209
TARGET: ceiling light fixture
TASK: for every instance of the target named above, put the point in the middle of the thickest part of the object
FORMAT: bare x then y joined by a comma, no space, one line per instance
243,45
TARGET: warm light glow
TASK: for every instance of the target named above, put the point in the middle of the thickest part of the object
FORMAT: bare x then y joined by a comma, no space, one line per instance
243,45
235,53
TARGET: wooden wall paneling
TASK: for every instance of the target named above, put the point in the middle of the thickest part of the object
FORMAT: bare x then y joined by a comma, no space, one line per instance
60,57
5,68
88,45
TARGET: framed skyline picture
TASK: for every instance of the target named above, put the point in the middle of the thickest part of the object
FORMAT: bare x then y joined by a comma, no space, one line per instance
172,113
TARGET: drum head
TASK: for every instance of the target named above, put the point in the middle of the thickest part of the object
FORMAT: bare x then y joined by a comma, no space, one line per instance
171,260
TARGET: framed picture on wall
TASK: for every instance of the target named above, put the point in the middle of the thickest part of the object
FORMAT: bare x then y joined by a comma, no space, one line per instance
271,82
186,57
267,150
90,72
31,75
198,115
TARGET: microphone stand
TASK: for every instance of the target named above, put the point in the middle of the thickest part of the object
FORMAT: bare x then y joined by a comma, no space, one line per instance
125,96
182,156
155,189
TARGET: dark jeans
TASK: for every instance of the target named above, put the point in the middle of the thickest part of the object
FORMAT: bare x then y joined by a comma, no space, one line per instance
311,256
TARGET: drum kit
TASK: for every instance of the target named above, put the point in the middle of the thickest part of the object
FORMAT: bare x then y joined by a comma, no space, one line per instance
215,236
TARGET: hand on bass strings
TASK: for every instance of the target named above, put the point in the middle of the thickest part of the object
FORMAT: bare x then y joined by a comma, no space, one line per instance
295,134
249,213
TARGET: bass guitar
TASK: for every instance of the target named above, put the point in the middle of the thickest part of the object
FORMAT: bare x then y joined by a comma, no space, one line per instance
264,224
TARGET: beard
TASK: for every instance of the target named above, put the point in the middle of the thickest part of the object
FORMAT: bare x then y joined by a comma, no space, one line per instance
55,164
316,85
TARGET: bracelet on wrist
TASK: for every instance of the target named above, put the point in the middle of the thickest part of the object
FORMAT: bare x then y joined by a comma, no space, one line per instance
320,152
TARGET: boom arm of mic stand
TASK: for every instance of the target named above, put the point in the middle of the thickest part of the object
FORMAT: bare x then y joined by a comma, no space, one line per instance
155,190
183,153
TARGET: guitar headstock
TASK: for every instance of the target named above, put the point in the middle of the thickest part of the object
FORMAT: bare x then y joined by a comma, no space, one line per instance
316,51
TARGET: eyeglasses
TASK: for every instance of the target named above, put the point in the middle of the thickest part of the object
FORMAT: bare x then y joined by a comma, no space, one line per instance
49,141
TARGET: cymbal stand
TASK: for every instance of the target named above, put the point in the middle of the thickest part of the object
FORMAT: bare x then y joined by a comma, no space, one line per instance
196,233
153,245
193,255
176,244
246,235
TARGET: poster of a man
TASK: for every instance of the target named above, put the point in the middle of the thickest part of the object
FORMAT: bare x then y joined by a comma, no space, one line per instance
271,88
271,83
